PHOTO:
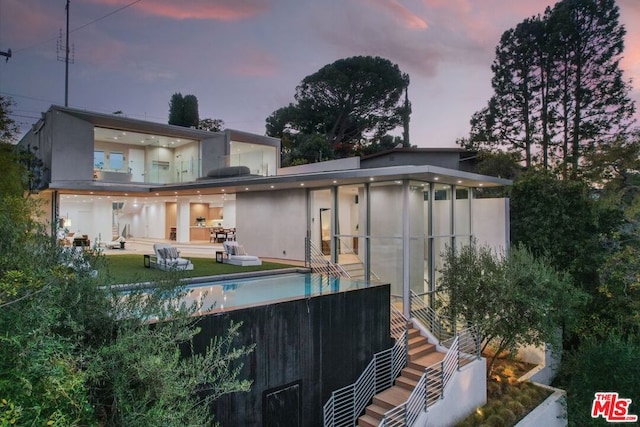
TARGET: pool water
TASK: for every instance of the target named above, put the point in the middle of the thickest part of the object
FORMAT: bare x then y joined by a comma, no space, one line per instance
218,296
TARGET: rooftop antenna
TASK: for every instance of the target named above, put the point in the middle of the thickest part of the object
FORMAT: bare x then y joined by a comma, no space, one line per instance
66,59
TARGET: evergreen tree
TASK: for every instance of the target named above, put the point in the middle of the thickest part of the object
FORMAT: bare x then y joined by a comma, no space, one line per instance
183,110
558,87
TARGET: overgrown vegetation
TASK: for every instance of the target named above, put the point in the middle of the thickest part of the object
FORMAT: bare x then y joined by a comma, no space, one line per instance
76,353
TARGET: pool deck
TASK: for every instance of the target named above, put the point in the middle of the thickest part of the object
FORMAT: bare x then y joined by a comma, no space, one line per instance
192,249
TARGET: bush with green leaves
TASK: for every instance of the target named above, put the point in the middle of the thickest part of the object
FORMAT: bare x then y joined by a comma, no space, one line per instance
611,364
76,353
514,299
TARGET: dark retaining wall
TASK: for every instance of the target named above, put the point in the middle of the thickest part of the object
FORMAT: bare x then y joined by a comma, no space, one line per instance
305,349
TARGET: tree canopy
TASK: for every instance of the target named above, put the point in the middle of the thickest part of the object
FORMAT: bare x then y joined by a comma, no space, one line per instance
513,300
351,103
183,110
558,87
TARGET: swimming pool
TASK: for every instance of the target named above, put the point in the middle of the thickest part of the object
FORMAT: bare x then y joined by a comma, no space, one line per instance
220,296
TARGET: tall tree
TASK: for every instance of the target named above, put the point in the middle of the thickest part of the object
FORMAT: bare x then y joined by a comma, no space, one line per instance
183,110
8,127
558,87
351,101
591,41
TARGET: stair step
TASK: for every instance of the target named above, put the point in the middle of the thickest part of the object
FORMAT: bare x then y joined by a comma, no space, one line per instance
368,421
375,411
391,397
421,351
416,341
406,382
414,374
413,332
425,361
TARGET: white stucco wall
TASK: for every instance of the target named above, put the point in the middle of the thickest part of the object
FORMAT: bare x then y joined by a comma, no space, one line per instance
490,222
272,223
550,413
466,391
155,225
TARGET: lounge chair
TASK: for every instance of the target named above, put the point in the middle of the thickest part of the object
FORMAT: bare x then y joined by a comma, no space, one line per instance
168,258
116,243
236,255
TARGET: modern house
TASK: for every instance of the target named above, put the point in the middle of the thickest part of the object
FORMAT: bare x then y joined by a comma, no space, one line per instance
387,217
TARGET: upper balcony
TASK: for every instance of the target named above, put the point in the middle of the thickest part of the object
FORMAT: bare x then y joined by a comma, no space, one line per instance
126,156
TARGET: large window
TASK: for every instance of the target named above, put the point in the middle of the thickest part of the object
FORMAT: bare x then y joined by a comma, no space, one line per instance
116,161
98,159
260,159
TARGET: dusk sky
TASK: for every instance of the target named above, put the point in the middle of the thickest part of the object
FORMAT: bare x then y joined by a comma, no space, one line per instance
243,59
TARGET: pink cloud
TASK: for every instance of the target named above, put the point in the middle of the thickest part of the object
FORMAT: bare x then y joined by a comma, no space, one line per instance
401,13
18,16
218,10
255,63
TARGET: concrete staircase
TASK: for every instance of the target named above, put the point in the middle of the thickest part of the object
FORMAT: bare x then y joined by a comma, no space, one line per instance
421,355
355,270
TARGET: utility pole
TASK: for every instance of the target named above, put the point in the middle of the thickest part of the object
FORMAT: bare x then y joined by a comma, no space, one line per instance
67,49
66,63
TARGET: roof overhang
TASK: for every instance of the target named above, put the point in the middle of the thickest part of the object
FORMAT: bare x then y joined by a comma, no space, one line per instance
323,179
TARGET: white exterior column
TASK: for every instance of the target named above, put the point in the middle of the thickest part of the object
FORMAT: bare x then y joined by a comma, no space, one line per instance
102,220
183,213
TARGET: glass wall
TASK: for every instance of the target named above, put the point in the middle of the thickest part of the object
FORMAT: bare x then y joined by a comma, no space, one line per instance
385,230
321,220
260,159
351,213
138,157
369,225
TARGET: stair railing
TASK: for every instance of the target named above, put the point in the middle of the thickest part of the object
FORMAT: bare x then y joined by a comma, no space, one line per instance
319,263
429,389
346,249
462,349
346,404
441,328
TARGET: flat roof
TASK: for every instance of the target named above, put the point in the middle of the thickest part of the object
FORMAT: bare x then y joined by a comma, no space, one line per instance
322,179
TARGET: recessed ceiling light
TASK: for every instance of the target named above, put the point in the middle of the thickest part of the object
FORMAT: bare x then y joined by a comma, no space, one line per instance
246,188
272,186
436,178
459,182
481,184
302,184
371,179
335,182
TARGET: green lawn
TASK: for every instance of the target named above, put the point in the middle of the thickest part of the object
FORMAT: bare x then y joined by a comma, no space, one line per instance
119,269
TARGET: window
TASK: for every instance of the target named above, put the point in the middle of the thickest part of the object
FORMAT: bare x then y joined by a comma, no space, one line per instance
98,159
116,161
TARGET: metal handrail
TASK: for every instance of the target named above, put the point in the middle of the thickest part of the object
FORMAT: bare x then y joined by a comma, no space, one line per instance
346,404
462,348
319,263
441,328
345,248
